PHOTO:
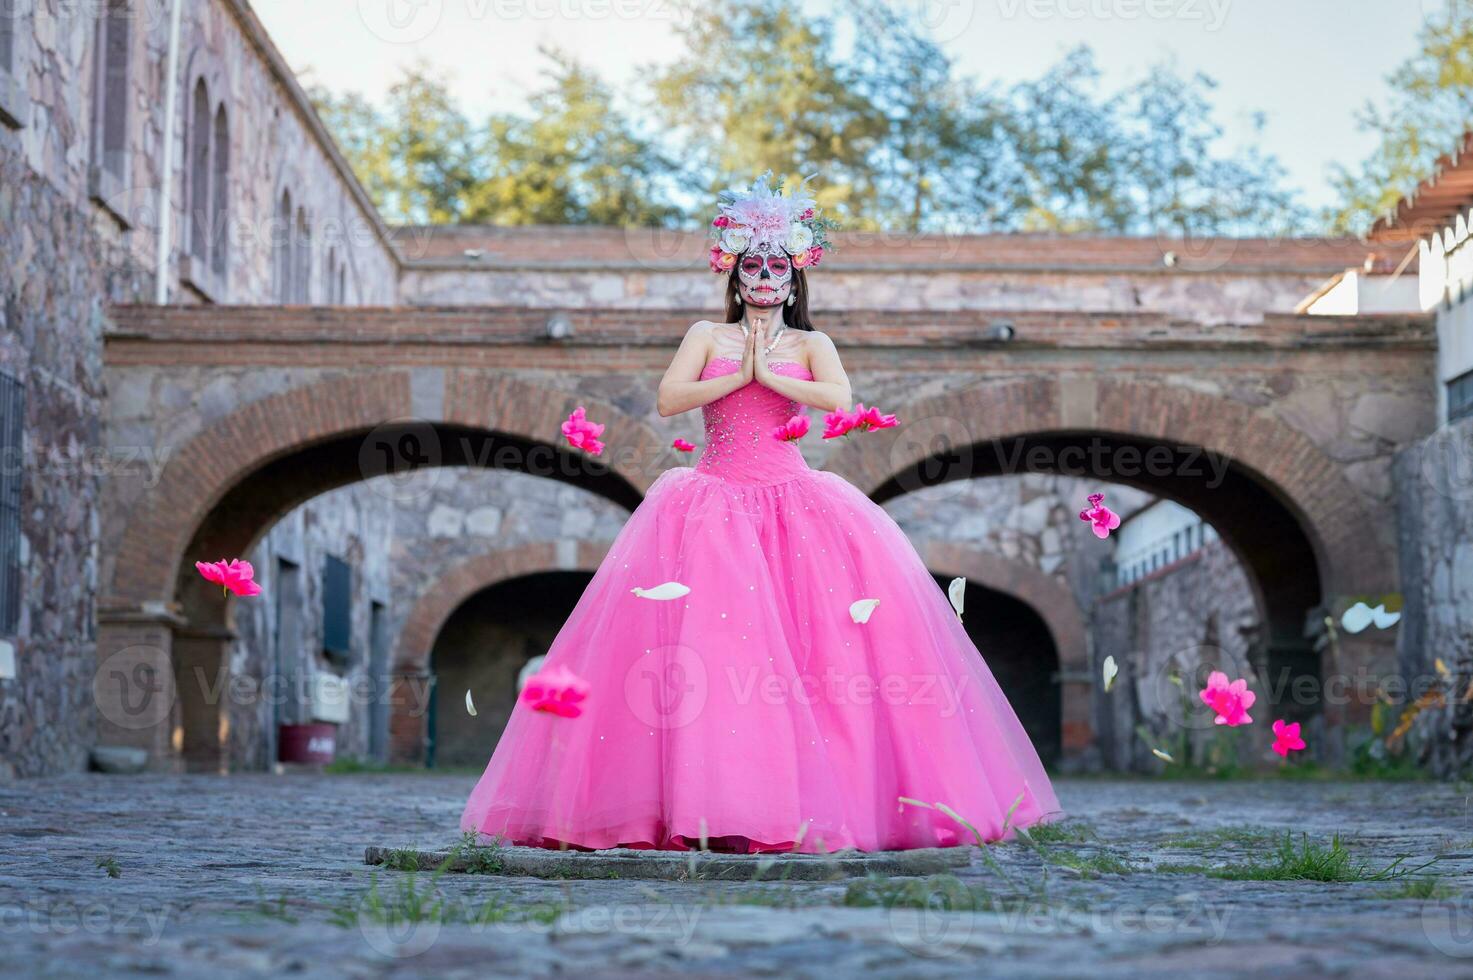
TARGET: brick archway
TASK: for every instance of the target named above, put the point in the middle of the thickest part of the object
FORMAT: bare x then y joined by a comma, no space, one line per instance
232,481
411,680
1054,604
262,433
1352,552
1297,523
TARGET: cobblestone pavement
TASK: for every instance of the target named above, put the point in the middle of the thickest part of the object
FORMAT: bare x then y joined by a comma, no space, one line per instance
261,875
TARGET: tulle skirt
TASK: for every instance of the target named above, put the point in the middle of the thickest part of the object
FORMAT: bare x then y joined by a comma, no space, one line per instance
754,711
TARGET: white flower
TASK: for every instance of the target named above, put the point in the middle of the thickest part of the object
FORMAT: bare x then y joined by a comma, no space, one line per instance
735,239
800,237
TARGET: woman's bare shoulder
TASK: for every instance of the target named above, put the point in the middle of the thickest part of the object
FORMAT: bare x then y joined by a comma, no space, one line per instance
816,340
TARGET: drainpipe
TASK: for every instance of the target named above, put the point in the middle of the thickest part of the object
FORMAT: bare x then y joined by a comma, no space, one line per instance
166,180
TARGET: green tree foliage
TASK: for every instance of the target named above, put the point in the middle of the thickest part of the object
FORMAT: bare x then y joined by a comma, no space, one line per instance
1431,105
904,142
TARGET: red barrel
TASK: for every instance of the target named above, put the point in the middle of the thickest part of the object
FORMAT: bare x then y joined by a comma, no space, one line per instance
313,744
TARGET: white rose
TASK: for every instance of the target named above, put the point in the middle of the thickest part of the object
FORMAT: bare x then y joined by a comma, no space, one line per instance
735,240
799,239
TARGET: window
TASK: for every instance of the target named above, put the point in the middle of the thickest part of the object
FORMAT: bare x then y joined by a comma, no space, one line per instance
337,608
1460,396
281,245
199,172
301,249
15,105
12,414
109,171
8,14
207,186
220,189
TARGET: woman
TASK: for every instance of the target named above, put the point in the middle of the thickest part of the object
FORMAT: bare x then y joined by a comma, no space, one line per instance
744,690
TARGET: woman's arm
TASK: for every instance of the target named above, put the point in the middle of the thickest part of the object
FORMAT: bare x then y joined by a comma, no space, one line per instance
681,388
829,389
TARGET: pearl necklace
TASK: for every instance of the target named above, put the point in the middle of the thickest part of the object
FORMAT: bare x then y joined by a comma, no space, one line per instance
775,338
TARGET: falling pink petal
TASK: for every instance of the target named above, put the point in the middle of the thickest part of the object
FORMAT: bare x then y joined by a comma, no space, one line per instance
1286,738
1229,701
684,446
583,434
838,423
792,430
235,575
1102,519
557,691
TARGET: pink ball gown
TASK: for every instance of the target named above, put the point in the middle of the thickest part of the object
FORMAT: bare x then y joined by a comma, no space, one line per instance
753,710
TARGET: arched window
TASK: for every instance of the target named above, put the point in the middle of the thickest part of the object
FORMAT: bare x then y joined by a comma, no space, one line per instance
198,185
205,264
331,271
281,244
302,259
109,172
219,196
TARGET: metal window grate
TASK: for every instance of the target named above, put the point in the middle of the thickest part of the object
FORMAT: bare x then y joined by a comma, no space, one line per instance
337,607
1460,397
12,419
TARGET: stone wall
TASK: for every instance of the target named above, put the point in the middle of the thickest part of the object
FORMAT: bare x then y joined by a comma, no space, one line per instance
1434,482
279,643
1186,618
74,245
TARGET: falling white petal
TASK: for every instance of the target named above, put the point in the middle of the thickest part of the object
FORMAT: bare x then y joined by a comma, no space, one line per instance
1357,618
860,610
1163,756
1111,670
957,593
1383,618
532,667
667,590
470,706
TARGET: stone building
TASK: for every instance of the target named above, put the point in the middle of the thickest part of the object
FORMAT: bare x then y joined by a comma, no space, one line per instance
1434,475
222,401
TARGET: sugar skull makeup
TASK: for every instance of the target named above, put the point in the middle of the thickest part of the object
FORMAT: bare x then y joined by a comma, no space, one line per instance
765,234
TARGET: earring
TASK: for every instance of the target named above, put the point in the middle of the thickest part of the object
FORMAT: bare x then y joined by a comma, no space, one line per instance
790,299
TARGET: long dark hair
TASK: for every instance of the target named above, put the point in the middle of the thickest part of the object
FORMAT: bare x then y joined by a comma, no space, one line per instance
795,316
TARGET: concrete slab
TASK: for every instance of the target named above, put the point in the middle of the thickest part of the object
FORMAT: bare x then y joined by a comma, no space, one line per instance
540,862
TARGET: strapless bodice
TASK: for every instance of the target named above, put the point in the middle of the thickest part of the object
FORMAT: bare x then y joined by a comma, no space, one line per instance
740,446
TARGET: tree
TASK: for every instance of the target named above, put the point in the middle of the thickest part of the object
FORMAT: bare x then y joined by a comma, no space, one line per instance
574,159
758,88
1430,108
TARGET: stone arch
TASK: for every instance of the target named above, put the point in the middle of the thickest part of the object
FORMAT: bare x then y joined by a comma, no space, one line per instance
1285,462
1054,604
434,606
232,481
1299,526
410,680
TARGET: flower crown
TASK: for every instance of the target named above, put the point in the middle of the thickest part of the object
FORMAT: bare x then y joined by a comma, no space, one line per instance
765,221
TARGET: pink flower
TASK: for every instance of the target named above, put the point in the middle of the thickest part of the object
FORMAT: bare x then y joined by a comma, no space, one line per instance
235,576
838,423
583,434
721,260
556,691
814,254
807,213
792,430
1102,519
721,221
1230,702
684,446
1286,738
868,419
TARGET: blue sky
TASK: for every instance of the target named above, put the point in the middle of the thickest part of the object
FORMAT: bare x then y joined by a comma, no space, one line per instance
1307,65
